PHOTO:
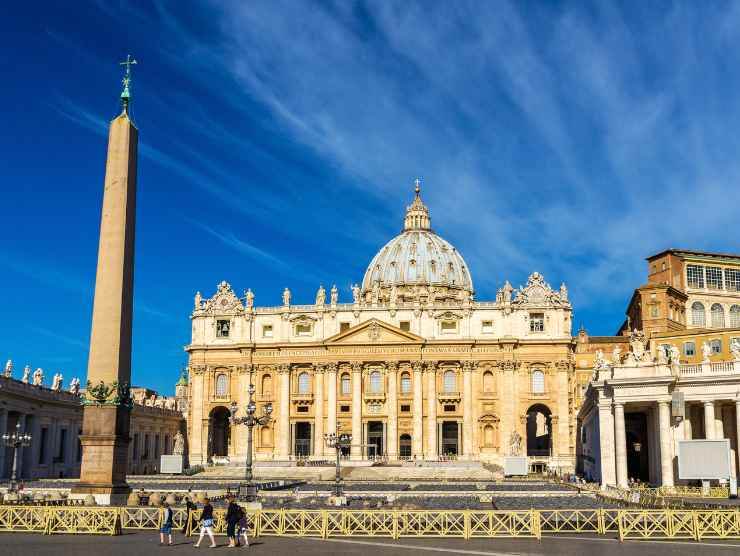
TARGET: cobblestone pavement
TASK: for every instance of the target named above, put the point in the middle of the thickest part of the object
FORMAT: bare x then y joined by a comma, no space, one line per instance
146,543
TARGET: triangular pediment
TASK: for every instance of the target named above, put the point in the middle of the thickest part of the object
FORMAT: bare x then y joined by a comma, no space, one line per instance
374,331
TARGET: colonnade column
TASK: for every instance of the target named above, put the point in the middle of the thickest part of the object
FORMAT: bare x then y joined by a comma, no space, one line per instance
417,444
709,424
606,442
284,415
392,404
664,432
431,369
3,430
331,410
620,445
468,367
357,439
318,410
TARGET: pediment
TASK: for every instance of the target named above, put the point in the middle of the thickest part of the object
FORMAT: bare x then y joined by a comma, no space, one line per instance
374,331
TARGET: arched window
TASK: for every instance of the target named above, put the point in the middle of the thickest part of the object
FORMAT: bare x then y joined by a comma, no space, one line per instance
346,384
718,316
222,385
304,384
449,381
735,316
538,382
405,383
376,382
698,316
266,385
488,384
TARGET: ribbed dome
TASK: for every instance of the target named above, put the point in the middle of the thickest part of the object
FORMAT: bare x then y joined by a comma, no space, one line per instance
416,262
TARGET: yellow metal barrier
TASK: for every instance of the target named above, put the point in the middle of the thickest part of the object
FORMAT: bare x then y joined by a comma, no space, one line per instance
26,519
140,518
646,524
91,521
571,521
522,523
685,492
717,524
424,523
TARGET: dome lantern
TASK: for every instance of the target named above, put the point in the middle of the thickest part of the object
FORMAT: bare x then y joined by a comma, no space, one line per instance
417,213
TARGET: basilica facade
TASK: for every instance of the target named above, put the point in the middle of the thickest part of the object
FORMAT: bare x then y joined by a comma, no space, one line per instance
414,368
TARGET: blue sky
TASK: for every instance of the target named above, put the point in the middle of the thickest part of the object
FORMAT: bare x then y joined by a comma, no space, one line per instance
279,142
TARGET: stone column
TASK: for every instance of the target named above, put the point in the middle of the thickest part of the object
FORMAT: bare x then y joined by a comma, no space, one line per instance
318,410
709,425
620,445
417,440
331,410
3,430
467,433
431,370
106,425
666,452
357,439
392,405
606,443
284,414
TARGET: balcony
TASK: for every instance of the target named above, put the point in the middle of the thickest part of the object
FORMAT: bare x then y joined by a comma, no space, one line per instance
374,397
301,399
449,397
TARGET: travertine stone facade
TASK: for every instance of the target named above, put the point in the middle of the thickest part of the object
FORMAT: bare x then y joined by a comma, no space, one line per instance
413,367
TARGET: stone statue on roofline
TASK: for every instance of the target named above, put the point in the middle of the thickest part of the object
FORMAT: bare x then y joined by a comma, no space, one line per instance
286,297
26,374
249,295
321,295
617,355
8,369
334,294
198,301
706,351
600,362
74,386
38,377
674,355
355,294
735,349
56,384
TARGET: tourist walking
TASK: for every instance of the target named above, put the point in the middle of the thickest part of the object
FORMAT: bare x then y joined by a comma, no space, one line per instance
243,526
166,528
206,523
232,520
189,508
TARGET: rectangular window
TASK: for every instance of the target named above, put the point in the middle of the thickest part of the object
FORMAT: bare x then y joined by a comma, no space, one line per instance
486,327
136,446
223,327
536,322
303,329
695,276
344,408
716,346
62,445
732,279
449,407
405,326
343,326
448,326
267,331
156,447
405,408
42,444
689,349
79,446
146,446
714,277
302,409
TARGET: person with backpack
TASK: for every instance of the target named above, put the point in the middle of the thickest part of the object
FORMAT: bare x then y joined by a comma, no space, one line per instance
166,528
243,526
206,523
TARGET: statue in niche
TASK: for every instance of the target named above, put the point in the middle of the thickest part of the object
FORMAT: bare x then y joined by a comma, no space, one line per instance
355,294
286,296
26,374
179,447
56,384
515,444
198,301
334,294
735,349
38,377
8,369
74,386
321,295
250,298
706,351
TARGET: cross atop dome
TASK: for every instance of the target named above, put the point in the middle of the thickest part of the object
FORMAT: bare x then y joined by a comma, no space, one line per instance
417,213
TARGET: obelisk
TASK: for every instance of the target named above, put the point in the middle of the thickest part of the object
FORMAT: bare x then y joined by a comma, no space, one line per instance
107,401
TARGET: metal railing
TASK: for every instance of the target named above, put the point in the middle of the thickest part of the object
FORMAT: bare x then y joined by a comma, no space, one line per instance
465,524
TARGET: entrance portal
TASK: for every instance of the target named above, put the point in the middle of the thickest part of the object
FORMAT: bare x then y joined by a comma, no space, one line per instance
539,431
450,439
374,439
404,446
302,440
220,431
638,466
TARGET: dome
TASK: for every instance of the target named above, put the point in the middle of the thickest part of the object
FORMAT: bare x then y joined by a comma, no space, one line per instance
417,264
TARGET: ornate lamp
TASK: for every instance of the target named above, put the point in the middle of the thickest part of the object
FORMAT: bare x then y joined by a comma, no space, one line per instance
16,440
247,490
338,441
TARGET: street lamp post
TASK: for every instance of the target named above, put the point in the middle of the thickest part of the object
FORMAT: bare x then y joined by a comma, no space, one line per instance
247,490
338,441
16,440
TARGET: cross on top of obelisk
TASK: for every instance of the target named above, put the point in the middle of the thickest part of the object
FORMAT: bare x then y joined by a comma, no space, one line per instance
126,94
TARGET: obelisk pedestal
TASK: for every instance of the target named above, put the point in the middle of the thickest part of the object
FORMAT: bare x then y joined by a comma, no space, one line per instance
105,426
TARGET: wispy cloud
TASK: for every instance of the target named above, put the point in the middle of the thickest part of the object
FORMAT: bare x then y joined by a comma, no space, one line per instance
77,342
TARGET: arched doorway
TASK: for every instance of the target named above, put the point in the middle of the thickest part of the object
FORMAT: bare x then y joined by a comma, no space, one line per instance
220,431
539,431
